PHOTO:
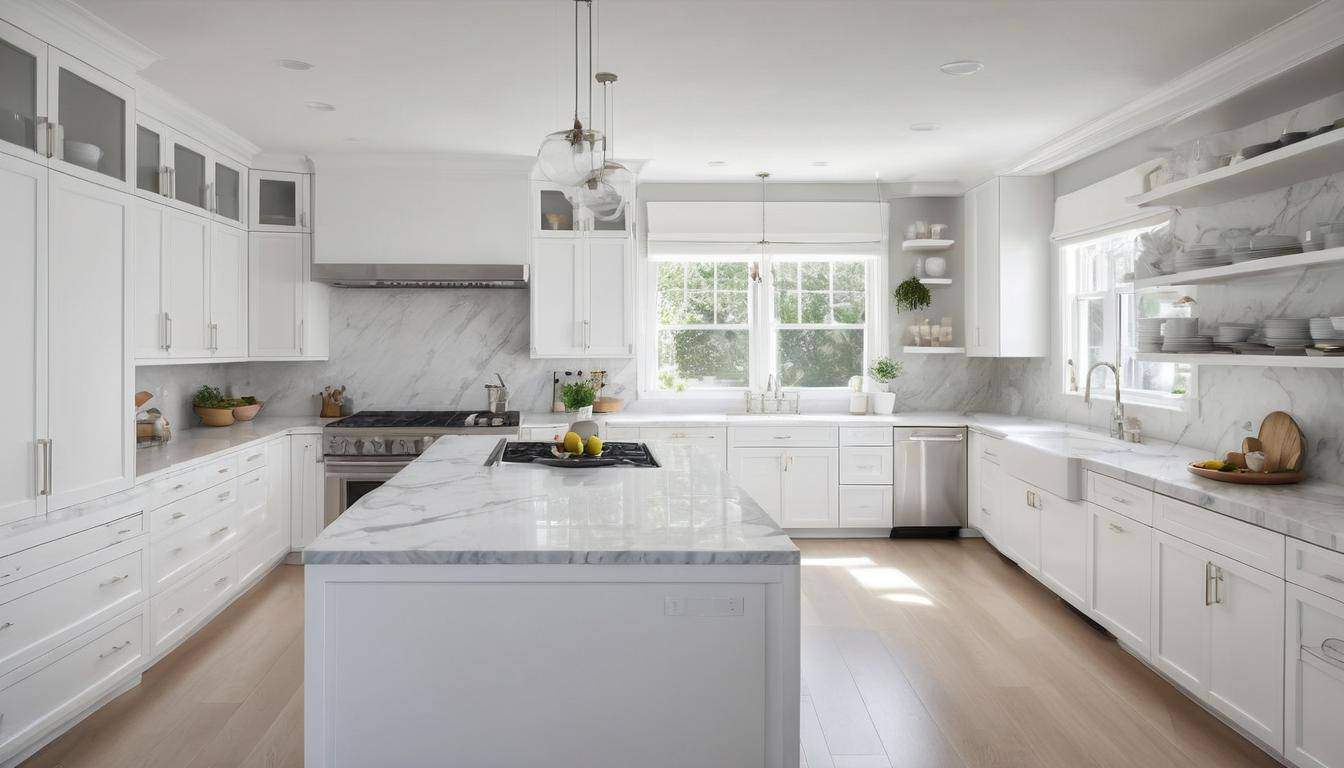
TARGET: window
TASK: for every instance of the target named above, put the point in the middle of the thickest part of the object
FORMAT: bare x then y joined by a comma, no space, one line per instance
805,320
1100,310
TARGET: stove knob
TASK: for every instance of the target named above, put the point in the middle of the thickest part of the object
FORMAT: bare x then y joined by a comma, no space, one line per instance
358,447
425,442
376,445
497,422
402,448
334,445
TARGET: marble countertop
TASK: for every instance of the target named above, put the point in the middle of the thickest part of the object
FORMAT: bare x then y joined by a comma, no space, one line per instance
992,423
200,443
447,508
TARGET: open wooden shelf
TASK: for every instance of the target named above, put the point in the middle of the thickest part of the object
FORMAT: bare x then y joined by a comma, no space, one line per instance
1283,167
1245,269
1262,361
927,245
935,350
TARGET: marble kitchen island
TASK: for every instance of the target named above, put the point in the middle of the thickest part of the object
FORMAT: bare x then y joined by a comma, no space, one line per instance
519,615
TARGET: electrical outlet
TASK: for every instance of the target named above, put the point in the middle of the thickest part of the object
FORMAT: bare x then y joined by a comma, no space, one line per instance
674,606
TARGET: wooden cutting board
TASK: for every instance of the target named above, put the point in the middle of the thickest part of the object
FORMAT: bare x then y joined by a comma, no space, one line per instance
1248,478
1281,440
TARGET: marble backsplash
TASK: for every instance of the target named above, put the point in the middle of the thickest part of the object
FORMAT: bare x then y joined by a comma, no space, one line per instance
1231,402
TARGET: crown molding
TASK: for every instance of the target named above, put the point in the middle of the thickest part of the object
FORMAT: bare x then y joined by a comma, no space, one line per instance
446,162
81,34
1291,42
170,110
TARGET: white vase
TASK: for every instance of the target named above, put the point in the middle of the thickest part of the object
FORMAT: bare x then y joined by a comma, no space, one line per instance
584,414
935,266
884,402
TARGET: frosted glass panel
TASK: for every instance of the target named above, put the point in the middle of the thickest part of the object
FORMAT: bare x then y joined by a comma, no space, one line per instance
188,176
147,175
226,192
18,96
94,122
277,203
557,214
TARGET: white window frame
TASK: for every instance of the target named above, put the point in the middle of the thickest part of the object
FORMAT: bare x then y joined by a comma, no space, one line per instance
1111,338
761,310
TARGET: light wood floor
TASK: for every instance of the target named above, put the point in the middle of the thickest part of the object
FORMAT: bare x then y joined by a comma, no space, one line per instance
915,653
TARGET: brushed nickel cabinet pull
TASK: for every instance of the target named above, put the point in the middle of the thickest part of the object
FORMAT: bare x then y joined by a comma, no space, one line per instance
115,649
115,580
1116,528
1120,500
221,530
6,625
178,515
1332,577
1208,583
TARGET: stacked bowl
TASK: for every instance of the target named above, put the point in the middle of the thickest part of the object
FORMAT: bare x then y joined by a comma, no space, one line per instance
1233,335
1148,333
1181,334
1202,257
1324,331
1282,332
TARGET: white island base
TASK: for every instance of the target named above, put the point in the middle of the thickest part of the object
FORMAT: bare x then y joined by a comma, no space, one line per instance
600,666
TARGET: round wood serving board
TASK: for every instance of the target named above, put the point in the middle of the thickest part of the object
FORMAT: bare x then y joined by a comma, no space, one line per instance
1282,443
1248,478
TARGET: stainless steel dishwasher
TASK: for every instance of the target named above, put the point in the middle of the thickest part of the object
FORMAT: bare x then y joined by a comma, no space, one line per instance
930,483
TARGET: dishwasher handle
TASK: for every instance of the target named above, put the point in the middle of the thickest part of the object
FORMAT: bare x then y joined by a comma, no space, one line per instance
934,439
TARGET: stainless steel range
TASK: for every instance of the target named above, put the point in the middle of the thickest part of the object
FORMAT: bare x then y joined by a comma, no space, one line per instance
365,450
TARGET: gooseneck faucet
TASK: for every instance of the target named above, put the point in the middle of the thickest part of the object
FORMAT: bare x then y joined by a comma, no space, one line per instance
1118,410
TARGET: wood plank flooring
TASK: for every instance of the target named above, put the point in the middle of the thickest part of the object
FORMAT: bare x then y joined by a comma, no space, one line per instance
915,653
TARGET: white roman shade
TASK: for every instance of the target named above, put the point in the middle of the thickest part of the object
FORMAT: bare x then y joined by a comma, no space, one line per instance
702,229
1101,207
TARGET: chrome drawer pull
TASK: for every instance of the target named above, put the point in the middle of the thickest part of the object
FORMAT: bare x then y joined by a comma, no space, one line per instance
6,576
1332,577
115,580
221,530
223,496
221,580
123,531
179,486
1116,528
224,470
254,457
783,437
1120,500
6,625
115,649
179,515
1333,648
179,610
174,550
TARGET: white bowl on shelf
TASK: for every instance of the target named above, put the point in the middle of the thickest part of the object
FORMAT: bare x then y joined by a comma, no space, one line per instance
83,154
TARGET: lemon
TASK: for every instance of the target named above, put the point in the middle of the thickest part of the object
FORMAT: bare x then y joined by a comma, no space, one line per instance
594,446
573,443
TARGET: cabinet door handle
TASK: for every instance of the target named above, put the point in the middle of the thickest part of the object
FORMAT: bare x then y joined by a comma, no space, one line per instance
1333,649
58,146
1119,500
1116,528
44,471
178,515
123,531
6,625
219,531
168,323
211,202
783,437
44,137
221,580
179,611
163,181
1208,583
254,457
303,219
223,471
172,182
1332,577
115,649
179,486
115,580
1218,585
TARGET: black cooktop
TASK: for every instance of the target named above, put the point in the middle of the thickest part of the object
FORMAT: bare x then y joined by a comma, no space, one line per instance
424,419
624,454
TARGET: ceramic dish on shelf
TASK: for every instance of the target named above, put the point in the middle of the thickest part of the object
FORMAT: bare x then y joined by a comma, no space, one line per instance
1338,322
1292,137
1255,150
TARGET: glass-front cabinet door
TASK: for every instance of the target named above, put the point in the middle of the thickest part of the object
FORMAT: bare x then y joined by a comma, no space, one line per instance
150,172
279,201
23,93
188,174
226,191
94,117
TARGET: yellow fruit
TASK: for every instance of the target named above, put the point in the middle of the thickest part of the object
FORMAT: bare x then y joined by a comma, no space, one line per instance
594,446
1211,464
573,443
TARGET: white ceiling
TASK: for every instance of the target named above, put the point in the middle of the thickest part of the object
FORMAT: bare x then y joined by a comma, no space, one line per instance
761,84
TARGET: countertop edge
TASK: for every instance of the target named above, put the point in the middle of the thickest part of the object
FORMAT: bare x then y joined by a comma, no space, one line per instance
278,427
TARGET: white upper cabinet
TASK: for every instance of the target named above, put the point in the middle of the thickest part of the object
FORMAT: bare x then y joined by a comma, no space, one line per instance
279,202
582,297
91,132
173,168
149,313
23,205
554,216
89,378
186,264
226,191
287,314
228,292
23,94
1007,245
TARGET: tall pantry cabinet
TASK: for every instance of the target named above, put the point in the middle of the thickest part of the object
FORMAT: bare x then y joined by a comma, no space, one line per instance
1007,245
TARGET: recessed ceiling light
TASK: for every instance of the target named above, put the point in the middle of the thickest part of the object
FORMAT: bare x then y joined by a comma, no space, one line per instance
353,139
967,67
297,65
717,163
320,106
820,163
924,126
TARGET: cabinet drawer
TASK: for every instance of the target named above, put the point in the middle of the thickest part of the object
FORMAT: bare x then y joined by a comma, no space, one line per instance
1129,500
39,614
180,485
174,557
618,434
772,437
182,514
865,506
252,490
251,459
709,434
865,436
1315,568
53,553
68,679
1254,546
865,465
177,609
989,448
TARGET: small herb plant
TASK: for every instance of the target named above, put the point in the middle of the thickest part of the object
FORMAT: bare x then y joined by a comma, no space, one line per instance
579,394
911,295
210,397
884,369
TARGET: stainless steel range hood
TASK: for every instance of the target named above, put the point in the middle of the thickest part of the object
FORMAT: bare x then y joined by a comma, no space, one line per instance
422,275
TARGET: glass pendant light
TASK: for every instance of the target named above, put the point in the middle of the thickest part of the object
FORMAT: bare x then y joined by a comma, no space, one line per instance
606,190
569,157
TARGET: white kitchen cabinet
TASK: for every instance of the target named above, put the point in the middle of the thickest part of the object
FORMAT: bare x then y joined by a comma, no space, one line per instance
279,201
760,473
582,299
89,374
23,220
186,283
712,440
553,216
174,169
92,122
23,80
1119,562
865,506
1018,529
1215,624
1007,247
1314,680
1063,537
811,488
279,492
307,489
287,312
228,292
866,465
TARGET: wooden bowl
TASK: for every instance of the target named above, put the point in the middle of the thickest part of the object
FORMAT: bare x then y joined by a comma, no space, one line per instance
246,412
1246,477
214,417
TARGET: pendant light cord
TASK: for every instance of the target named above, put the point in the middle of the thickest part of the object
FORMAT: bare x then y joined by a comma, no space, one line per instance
576,61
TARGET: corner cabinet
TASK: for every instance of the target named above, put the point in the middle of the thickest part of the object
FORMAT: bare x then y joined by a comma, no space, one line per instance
287,312
582,302
1007,245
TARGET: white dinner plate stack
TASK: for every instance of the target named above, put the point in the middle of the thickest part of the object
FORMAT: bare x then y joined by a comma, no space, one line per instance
1231,334
1202,257
1322,330
1287,332
1265,246
1148,333
1181,334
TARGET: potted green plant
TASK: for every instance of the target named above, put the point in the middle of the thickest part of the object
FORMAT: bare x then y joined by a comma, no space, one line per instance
884,370
911,295
214,409
578,398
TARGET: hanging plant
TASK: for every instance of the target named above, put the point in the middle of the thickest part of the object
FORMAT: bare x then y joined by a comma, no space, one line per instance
911,295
